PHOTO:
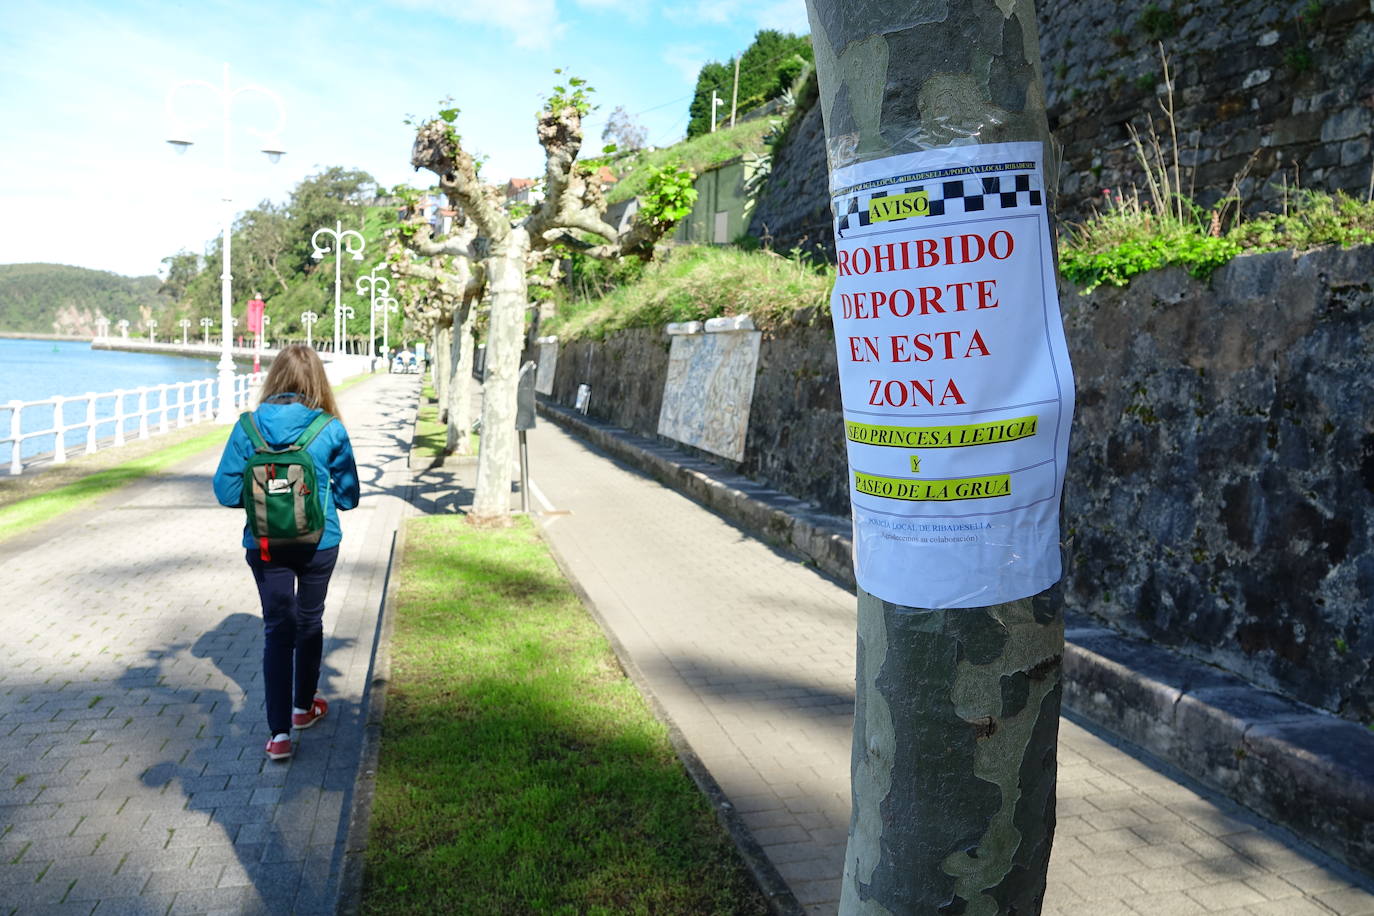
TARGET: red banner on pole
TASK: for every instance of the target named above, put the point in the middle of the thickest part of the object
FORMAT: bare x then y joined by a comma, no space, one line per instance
255,307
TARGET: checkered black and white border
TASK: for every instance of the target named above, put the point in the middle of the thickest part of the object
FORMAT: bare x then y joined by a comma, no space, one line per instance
950,196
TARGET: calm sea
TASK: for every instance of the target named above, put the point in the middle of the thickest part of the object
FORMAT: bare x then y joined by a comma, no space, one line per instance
32,370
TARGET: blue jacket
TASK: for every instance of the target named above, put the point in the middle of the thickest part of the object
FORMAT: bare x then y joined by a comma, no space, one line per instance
280,424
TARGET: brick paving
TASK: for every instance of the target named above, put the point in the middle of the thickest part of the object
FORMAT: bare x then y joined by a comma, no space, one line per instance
751,654
132,774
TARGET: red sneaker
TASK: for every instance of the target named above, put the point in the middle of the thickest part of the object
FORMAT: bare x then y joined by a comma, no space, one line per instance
279,748
318,707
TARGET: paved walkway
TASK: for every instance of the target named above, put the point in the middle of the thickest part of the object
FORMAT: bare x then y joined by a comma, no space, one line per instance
132,776
752,654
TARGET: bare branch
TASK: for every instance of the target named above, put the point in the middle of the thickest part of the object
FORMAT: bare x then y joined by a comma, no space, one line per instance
437,149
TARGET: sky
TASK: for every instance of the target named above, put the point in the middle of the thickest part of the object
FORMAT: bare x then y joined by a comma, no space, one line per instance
86,177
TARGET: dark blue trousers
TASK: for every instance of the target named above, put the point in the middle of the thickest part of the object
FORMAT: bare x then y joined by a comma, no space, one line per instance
292,586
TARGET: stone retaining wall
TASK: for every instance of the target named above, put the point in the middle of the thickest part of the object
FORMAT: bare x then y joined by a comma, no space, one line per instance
1220,494
1290,84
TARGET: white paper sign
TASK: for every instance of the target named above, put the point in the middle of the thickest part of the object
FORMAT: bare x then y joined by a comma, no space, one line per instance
954,374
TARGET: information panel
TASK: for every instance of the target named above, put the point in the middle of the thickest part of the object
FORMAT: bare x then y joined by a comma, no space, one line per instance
954,374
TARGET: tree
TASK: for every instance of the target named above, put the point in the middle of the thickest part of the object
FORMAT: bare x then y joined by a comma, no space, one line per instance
510,243
624,131
956,714
767,69
182,268
438,283
262,239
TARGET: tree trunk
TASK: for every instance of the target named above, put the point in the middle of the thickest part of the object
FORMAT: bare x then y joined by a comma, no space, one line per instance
506,284
957,709
460,390
440,357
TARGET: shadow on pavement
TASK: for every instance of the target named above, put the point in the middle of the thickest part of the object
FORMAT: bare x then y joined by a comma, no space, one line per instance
265,809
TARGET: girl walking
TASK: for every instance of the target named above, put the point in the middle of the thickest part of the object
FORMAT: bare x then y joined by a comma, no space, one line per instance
293,578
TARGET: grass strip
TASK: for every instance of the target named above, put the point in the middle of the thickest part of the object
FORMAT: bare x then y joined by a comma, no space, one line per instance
431,436
521,771
28,501
41,507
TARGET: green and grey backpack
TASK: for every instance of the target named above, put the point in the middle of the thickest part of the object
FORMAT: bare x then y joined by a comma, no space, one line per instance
280,492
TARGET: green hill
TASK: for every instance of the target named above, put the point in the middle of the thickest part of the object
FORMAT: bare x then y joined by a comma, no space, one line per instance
58,299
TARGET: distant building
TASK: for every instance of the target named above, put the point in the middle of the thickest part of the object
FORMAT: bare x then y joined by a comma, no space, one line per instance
522,191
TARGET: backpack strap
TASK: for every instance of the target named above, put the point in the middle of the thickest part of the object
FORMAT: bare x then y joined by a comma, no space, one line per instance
250,427
316,425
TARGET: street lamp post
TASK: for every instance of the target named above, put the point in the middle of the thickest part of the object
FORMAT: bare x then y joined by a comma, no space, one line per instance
370,285
124,328
102,326
152,330
308,319
262,335
206,324
386,306
341,315
185,327
344,240
226,95
228,335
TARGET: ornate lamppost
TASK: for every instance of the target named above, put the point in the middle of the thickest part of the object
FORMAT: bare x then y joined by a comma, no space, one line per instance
226,95
124,328
308,319
152,330
370,285
341,315
386,306
344,241
102,326
206,324
185,326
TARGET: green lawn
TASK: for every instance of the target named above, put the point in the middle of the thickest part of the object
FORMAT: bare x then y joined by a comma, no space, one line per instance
521,771
431,436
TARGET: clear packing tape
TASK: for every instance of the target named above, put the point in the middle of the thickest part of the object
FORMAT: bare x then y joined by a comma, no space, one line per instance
954,372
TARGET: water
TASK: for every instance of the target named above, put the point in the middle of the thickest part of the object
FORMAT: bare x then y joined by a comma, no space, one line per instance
32,370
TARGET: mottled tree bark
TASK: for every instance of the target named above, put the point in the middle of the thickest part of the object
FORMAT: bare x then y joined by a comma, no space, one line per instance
572,204
459,441
441,354
957,712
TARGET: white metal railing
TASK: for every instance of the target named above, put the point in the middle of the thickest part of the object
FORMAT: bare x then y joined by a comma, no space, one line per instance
136,412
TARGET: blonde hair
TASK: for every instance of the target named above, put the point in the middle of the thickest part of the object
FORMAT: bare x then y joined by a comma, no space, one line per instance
297,369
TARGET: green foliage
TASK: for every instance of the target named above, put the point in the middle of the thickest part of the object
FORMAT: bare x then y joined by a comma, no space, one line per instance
181,269
577,94
1298,60
33,296
272,251
767,69
592,278
1313,218
1128,239
668,194
1147,81
696,282
696,155
1157,23
1198,254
